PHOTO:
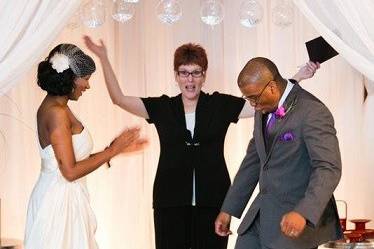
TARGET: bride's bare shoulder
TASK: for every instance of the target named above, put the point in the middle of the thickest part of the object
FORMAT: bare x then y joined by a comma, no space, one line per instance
50,113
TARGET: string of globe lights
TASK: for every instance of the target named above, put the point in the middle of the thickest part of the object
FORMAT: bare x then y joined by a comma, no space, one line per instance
92,13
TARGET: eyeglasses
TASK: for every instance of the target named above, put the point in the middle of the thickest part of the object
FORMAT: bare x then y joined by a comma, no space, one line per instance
255,99
194,74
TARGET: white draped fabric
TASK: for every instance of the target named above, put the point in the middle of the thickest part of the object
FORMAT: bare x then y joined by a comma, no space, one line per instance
27,28
142,55
348,26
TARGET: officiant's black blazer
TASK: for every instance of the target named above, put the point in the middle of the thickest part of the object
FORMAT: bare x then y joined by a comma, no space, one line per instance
180,154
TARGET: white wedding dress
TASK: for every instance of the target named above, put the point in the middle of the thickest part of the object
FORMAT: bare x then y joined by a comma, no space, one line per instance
59,214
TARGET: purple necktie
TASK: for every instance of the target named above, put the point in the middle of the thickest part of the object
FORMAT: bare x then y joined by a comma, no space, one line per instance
270,124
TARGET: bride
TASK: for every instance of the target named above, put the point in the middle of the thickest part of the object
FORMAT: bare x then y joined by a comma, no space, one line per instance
59,215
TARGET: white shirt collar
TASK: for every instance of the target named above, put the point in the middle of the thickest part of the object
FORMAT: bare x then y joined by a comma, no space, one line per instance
285,93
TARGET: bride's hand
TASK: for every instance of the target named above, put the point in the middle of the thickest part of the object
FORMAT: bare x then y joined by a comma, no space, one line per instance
137,145
98,49
128,141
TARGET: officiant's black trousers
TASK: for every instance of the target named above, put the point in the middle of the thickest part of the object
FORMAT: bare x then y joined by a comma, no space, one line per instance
187,227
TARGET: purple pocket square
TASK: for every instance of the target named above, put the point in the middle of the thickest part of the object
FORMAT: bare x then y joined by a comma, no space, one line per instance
287,136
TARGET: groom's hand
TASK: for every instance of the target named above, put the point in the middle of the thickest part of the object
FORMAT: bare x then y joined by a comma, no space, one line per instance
292,224
222,224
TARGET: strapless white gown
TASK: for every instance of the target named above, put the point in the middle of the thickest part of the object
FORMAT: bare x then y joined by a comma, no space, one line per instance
59,214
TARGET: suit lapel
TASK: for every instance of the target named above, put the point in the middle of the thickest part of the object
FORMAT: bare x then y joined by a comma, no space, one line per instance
280,122
203,116
178,110
259,136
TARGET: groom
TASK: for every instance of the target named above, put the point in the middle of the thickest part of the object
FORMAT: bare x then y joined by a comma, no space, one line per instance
294,156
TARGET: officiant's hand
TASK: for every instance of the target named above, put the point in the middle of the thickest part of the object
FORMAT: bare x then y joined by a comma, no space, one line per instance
98,49
307,71
292,224
222,224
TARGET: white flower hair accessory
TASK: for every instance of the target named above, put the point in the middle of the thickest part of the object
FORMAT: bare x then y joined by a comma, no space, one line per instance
60,62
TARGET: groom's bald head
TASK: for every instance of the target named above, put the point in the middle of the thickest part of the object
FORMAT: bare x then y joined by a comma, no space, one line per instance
258,70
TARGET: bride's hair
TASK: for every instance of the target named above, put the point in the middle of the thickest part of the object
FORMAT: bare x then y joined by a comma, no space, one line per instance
66,62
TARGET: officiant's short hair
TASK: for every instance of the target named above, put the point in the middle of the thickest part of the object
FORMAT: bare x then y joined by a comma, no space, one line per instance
189,54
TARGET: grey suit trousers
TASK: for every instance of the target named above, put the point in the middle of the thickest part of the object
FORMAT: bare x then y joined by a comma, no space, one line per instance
251,238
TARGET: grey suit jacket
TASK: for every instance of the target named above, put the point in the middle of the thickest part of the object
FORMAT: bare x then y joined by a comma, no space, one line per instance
298,172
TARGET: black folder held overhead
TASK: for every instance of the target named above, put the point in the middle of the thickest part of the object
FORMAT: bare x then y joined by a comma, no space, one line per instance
319,50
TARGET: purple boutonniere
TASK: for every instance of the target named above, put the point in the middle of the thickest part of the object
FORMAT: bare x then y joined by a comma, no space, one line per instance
282,111
287,136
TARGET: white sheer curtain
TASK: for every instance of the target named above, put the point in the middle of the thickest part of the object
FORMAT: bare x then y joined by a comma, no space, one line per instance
141,52
348,26
27,28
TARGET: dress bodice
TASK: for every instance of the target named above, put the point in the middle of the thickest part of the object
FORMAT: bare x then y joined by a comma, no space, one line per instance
82,145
